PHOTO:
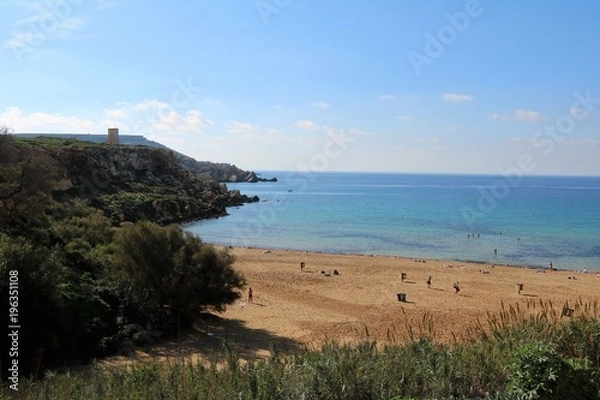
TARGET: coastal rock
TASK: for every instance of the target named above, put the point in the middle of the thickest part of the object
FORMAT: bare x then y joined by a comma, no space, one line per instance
222,172
131,183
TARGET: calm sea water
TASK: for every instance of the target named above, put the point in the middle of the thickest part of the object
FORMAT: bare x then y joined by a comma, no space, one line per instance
528,221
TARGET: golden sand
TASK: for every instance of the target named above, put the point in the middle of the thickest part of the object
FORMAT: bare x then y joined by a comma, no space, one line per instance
294,308
362,302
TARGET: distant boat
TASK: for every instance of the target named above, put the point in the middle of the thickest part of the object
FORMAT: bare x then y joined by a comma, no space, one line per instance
290,190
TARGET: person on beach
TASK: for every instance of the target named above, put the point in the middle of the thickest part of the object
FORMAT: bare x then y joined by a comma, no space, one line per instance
429,282
250,295
519,288
550,267
456,287
302,265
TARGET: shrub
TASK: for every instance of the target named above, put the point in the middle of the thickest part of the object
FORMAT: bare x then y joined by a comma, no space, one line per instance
41,314
171,276
538,372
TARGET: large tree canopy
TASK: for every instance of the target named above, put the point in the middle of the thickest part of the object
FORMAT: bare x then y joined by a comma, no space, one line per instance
171,273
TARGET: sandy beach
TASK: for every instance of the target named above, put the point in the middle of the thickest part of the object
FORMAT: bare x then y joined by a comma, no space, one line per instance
362,303
294,308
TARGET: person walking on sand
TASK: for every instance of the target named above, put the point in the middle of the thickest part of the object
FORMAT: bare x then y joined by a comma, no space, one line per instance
519,288
429,282
456,287
250,295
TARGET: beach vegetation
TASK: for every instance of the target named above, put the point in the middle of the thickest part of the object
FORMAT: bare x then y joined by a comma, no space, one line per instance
503,363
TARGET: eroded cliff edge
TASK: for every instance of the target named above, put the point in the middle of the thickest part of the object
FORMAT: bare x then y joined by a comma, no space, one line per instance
129,183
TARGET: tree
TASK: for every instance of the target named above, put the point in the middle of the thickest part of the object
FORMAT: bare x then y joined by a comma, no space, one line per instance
172,276
26,177
38,274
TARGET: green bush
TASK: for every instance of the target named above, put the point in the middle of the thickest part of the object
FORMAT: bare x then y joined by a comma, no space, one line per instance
171,276
41,311
538,372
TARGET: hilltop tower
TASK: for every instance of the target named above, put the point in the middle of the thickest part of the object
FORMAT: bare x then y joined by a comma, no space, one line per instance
113,136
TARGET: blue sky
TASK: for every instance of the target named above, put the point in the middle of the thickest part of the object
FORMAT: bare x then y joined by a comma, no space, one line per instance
335,85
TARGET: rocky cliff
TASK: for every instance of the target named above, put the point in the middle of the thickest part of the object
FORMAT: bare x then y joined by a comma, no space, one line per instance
134,182
222,172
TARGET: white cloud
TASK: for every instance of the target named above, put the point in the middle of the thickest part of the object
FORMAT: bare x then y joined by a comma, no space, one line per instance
307,124
527,115
246,132
457,98
496,116
151,115
148,117
46,21
102,4
212,102
174,122
386,97
21,40
72,24
518,115
241,128
321,105
405,118
145,105
354,131
39,122
43,24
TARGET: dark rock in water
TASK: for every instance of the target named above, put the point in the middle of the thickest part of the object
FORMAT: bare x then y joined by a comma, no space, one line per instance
267,180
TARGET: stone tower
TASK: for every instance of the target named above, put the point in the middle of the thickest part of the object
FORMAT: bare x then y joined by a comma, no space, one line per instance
113,136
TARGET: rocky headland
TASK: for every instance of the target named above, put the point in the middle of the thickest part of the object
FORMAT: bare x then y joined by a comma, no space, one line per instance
131,183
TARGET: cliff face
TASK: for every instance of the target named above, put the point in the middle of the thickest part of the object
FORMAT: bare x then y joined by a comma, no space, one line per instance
132,182
220,171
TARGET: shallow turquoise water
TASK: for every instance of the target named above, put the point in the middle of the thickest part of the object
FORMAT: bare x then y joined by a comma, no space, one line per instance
530,221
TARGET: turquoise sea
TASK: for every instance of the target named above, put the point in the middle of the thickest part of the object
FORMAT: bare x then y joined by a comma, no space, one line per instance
526,221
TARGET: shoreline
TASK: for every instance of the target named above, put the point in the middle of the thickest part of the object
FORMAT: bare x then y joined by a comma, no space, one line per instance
404,257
